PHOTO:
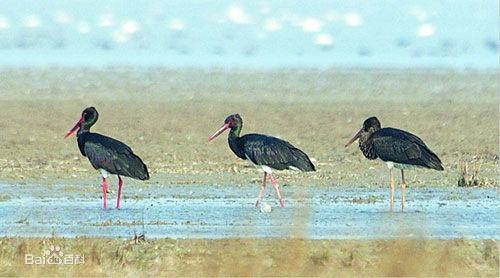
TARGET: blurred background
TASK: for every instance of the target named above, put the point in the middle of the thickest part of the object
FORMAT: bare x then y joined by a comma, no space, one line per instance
259,34
165,74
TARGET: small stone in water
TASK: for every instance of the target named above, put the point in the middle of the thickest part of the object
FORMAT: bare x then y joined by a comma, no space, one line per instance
265,208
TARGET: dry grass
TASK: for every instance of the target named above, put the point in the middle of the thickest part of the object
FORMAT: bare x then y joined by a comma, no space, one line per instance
166,117
256,257
470,175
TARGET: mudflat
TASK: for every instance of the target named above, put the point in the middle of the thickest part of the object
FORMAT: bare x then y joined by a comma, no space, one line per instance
166,117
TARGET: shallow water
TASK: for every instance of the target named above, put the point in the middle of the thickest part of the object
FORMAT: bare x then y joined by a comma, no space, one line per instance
194,211
456,34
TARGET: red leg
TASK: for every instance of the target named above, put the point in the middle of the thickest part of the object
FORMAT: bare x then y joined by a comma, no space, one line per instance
277,187
120,183
392,190
261,190
104,186
403,189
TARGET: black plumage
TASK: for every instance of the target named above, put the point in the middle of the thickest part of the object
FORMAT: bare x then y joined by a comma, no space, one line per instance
265,151
111,155
394,145
270,151
399,146
107,154
400,149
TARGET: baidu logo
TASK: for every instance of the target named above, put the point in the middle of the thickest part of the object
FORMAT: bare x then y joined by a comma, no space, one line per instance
54,256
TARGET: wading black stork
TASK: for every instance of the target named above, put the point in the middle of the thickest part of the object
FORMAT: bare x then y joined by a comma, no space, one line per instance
398,148
265,152
107,154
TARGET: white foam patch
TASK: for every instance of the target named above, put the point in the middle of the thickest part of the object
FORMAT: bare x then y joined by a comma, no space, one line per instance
237,14
130,27
32,21
426,30
311,25
323,39
83,27
353,19
4,23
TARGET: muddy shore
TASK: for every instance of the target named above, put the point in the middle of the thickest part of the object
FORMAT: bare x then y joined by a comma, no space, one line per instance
166,117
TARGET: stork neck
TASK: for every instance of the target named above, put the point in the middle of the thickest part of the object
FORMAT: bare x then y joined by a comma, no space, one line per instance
88,123
82,130
234,141
235,131
366,145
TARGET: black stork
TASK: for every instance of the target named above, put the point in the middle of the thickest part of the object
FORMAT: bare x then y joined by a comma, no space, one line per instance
265,152
398,148
107,154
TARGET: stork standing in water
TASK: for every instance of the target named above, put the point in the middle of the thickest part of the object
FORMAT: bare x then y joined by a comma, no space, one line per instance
265,152
106,154
398,148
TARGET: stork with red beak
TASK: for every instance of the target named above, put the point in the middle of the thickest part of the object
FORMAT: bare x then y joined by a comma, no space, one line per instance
265,152
106,154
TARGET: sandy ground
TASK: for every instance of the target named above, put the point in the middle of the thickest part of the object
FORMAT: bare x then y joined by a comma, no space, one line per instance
166,117
255,257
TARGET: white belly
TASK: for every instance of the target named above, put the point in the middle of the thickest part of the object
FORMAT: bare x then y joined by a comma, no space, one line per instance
265,168
400,166
104,173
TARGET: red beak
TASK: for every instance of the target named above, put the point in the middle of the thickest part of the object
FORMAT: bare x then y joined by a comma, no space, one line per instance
218,132
77,125
354,138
